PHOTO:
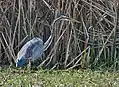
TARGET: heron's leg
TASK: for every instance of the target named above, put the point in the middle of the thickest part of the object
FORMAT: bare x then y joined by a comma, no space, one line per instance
29,64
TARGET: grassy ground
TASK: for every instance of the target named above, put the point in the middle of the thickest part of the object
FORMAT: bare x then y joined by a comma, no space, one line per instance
58,78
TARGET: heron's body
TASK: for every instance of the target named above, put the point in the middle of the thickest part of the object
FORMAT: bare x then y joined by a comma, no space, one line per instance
32,50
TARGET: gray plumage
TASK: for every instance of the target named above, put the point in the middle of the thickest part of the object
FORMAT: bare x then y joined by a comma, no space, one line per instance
34,48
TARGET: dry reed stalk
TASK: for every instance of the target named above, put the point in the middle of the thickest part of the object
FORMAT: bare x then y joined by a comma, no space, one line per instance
25,19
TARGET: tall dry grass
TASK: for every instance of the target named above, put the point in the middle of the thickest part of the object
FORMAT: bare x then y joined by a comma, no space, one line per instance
89,39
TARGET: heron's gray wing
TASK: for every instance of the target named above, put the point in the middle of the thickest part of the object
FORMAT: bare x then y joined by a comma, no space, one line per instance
23,50
33,48
37,48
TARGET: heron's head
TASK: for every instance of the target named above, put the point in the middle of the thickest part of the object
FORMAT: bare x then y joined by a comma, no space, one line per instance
21,62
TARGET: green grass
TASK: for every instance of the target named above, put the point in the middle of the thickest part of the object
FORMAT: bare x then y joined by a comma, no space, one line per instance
58,78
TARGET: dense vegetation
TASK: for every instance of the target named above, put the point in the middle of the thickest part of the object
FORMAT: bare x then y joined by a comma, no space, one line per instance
89,40
57,78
